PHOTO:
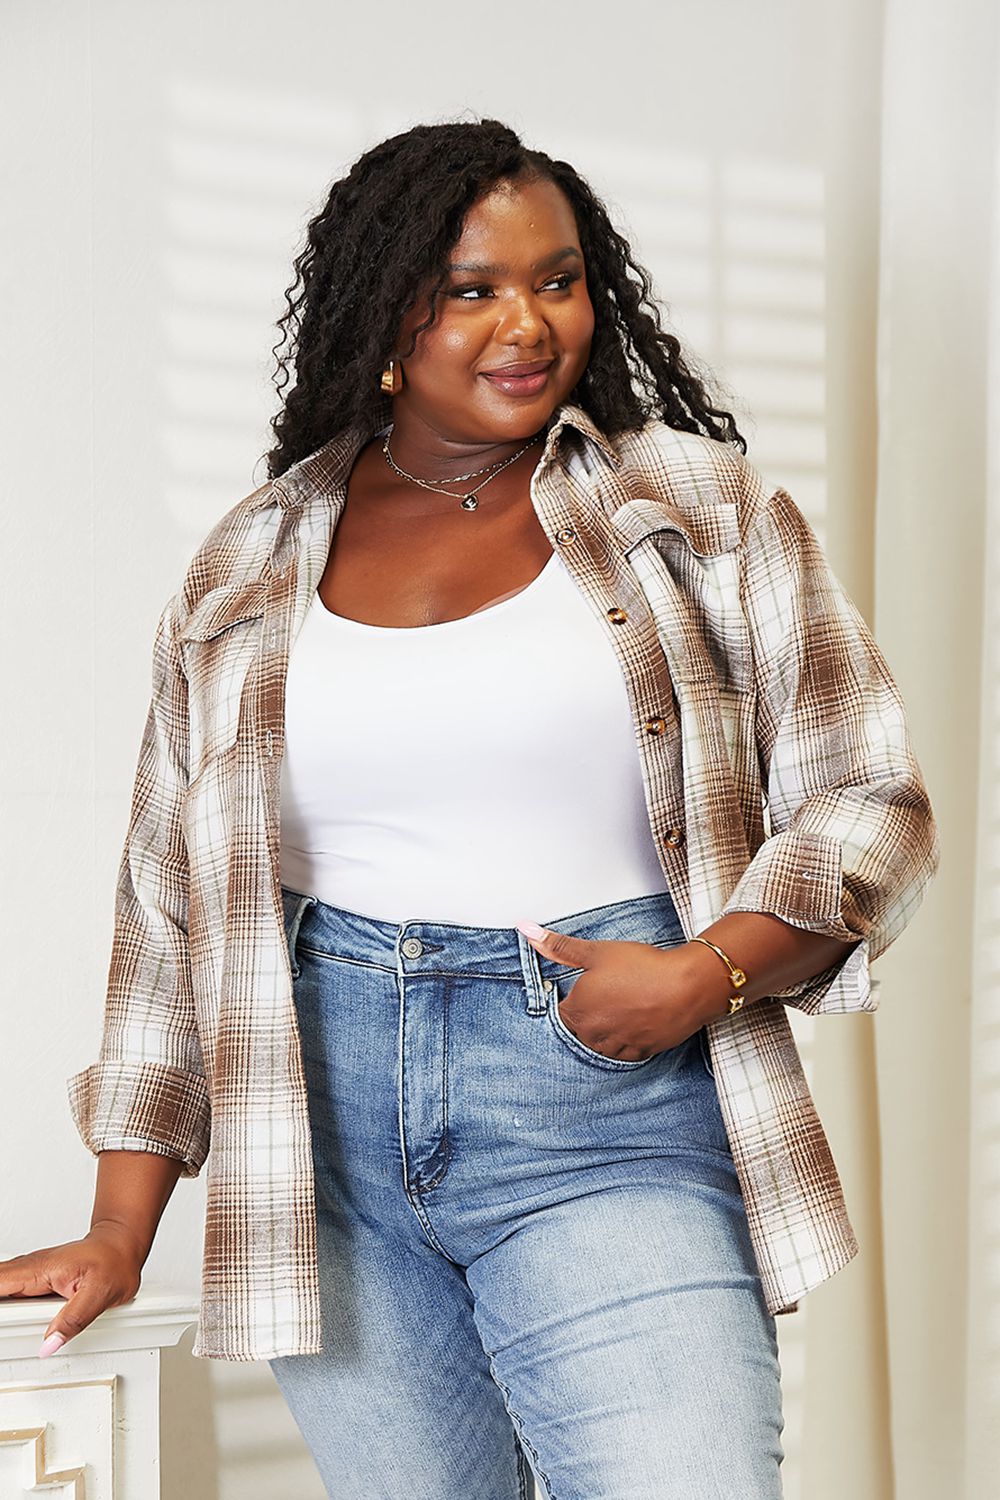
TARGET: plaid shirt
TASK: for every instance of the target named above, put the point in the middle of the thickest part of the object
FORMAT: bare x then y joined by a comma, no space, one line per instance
779,777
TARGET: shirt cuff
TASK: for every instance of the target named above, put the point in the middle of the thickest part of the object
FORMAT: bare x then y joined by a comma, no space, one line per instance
798,876
143,1106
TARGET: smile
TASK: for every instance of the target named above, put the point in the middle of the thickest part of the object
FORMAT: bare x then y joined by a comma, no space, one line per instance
513,384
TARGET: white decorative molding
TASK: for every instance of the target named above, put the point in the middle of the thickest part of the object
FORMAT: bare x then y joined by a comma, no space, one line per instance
58,1436
152,1320
84,1424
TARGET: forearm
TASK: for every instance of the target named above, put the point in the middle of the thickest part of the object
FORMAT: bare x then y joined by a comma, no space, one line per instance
133,1188
773,954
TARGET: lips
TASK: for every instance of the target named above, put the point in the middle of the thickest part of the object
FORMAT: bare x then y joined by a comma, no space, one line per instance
524,379
520,367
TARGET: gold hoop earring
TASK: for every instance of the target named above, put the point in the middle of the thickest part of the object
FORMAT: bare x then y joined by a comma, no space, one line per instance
392,378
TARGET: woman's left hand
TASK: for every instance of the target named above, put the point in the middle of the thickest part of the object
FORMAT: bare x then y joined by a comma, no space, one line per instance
632,999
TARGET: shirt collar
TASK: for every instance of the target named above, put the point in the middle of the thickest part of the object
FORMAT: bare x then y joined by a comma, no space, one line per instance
570,415
326,470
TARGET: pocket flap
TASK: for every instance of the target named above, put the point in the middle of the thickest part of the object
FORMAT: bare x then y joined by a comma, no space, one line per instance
708,529
222,607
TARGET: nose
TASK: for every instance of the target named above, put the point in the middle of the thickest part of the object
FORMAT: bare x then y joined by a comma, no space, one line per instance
522,322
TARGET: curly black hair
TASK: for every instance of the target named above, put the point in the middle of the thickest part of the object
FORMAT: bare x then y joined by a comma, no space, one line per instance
385,233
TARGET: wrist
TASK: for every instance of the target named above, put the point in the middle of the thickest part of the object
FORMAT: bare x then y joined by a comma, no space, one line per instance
124,1234
708,982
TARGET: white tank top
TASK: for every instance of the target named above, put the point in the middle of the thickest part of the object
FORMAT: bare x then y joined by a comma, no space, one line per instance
480,771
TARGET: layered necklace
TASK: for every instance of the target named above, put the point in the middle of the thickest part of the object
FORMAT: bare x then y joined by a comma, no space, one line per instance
467,501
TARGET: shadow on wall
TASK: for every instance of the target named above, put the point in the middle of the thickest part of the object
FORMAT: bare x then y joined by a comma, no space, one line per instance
736,251
227,1433
735,248
189,1446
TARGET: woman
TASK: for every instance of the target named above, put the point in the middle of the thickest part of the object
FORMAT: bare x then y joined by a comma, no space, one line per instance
496,1199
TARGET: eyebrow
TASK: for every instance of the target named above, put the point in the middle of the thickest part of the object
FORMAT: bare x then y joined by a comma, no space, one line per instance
494,270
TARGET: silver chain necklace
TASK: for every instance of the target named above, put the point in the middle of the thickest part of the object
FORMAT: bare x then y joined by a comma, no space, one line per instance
469,501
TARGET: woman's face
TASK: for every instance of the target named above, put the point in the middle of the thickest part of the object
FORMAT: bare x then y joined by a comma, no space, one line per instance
515,295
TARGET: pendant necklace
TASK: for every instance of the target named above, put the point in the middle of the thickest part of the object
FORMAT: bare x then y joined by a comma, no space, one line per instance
468,501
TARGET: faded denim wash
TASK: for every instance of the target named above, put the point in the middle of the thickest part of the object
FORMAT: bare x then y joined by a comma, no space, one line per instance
534,1259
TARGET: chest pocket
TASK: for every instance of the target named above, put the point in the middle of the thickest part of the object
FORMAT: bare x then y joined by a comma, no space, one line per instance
219,643
688,559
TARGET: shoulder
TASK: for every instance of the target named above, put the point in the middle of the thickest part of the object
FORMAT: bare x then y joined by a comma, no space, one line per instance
726,497
233,553
687,468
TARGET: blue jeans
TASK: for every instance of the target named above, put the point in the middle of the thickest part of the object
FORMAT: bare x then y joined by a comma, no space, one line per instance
534,1259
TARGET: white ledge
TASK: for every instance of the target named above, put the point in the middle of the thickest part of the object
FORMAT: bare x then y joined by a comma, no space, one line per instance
152,1320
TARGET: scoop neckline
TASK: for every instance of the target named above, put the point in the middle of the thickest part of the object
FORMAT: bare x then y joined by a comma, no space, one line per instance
478,614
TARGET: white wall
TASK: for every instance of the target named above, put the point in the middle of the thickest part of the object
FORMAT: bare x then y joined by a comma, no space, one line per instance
166,159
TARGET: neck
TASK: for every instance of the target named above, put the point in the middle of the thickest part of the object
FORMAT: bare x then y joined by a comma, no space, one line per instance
437,456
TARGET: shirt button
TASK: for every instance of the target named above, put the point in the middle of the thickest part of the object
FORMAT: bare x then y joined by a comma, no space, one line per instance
412,947
617,616
655,726
565,534
674,837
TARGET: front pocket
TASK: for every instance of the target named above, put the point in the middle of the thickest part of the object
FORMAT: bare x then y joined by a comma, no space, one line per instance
560,991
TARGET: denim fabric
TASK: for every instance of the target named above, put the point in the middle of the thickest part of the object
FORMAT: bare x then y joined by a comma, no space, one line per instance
534,1260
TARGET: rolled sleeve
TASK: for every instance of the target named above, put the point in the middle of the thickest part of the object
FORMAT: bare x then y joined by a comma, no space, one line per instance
853,841
125,1106
147,1089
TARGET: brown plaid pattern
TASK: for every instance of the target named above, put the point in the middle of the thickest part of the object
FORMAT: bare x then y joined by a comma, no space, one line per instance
779,777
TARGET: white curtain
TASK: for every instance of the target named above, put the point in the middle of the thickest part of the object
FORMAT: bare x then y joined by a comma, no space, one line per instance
903,1357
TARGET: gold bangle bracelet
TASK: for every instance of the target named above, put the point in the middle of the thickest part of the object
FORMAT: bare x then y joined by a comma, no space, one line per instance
737,976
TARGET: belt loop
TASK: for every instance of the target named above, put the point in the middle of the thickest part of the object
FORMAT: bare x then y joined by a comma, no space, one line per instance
533,983
292,930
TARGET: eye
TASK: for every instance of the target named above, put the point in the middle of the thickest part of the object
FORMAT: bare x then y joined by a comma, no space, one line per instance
565,279
562,282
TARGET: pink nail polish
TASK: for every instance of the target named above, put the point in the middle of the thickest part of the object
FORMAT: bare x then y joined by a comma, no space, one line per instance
52,1343
531,929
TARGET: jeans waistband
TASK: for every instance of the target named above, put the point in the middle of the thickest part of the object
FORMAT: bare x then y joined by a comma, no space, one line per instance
418,946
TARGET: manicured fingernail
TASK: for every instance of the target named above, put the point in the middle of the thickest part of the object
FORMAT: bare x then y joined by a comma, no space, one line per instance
52,1343
531,929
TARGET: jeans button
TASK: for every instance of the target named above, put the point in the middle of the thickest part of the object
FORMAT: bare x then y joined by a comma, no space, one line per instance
412,947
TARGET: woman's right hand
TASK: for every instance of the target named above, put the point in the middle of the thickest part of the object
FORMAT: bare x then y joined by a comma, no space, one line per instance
102,1270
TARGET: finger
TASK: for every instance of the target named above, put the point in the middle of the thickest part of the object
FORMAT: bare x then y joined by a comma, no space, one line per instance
24,1276
93,1297
575,952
